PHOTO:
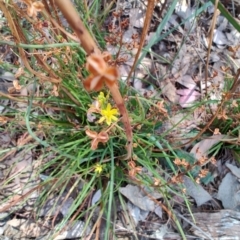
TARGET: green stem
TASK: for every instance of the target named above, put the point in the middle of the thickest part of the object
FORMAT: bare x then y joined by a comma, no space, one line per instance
39,46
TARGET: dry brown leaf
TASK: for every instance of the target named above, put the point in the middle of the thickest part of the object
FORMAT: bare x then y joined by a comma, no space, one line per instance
169,90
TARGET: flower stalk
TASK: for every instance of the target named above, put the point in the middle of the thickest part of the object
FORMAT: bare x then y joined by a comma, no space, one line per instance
70,13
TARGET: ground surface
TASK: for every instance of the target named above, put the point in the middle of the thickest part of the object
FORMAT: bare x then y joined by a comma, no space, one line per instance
61,172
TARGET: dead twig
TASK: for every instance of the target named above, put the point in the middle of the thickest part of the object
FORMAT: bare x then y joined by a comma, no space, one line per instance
147,21
210,40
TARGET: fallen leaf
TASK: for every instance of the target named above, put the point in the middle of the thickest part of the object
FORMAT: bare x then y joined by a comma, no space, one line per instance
29,228
187,97
196,191
169,90
51,207
201,148
137,17
219,38
235,170
228,192
74,230
96,197
187,82
137,213
139,198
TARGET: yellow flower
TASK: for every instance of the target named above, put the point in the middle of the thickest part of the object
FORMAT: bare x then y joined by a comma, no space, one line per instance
98,168
108,114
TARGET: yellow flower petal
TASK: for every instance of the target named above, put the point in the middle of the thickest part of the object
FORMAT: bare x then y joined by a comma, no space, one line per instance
114,111
108,121
102,119
98,168
108,114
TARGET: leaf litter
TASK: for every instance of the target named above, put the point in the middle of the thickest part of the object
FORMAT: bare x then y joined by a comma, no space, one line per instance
179,76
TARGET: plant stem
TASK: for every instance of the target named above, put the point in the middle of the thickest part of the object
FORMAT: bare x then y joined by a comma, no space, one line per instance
39,46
